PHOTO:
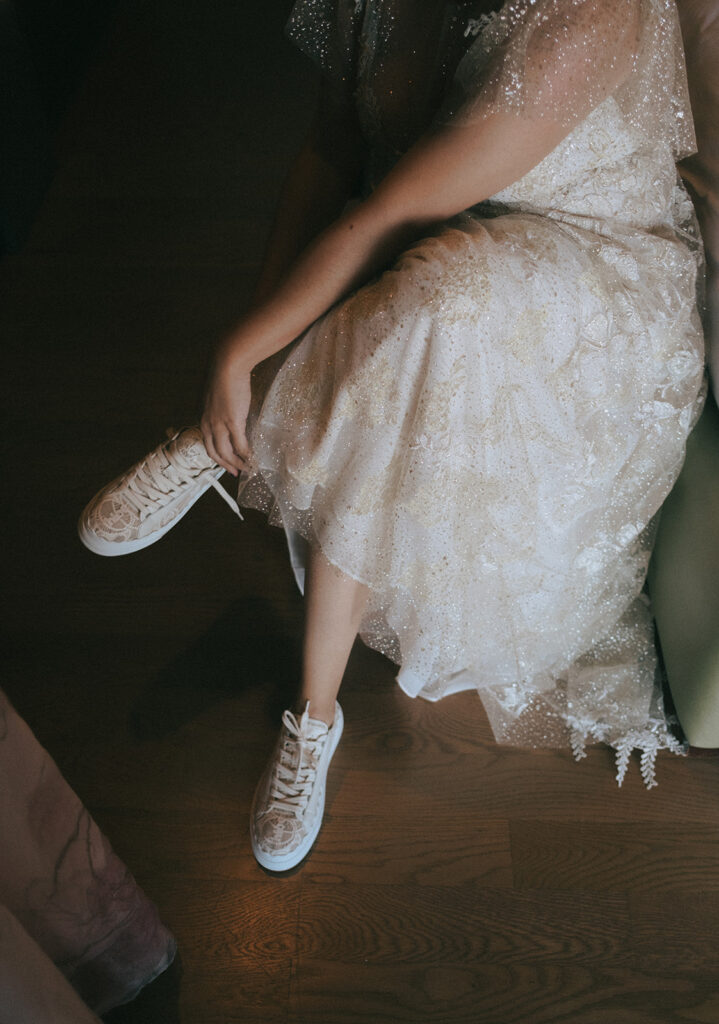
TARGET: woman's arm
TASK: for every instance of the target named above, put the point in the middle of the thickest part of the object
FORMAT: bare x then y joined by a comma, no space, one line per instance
323,177
443,174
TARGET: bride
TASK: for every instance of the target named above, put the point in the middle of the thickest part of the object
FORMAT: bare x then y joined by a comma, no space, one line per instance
491,362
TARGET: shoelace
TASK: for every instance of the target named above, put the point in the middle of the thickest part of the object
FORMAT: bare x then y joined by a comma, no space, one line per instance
294,774
155,480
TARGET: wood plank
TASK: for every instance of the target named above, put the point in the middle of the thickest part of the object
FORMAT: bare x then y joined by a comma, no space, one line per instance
675,931
645,857
439,924
499,782
327,992
441,849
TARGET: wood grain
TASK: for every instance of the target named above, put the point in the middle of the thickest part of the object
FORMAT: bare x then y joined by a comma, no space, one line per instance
599,858
433,925
326,993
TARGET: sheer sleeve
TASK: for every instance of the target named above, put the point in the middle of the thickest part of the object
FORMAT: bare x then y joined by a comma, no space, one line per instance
558,59
326,32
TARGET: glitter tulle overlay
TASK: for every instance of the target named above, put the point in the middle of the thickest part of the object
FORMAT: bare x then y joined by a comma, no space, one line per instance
485,433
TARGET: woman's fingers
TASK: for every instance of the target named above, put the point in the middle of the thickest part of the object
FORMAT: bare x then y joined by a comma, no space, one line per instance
227,445
213,452
223,423
239,449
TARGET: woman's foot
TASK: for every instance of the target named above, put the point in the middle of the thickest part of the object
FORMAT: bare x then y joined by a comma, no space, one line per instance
289,801
144,503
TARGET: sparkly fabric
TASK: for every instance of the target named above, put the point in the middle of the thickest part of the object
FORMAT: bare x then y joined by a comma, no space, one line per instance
484,434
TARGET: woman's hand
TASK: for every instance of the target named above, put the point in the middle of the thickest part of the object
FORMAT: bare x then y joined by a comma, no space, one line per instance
227,405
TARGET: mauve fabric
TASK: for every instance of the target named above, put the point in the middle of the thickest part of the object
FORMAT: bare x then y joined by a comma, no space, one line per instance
32,989
62,882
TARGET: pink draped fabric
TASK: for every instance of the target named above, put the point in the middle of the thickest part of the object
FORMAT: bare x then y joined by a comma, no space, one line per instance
32,989
63,888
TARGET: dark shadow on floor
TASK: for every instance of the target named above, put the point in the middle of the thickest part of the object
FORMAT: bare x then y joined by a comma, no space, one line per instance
248,646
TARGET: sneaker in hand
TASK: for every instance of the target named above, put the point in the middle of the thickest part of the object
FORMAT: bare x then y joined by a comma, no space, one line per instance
144,503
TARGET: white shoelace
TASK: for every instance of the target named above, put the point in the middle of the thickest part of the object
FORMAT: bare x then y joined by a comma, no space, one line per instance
162,475
295,771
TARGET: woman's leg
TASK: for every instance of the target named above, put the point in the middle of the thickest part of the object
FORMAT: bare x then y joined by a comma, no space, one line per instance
334,604
289,801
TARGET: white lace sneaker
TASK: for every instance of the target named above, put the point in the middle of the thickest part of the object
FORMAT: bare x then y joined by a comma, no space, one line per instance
144,503
290,798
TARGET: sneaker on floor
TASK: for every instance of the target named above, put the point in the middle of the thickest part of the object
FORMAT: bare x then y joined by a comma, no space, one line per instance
144,503
290,798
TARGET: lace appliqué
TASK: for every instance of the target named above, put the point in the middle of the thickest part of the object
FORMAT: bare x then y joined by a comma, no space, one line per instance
648,741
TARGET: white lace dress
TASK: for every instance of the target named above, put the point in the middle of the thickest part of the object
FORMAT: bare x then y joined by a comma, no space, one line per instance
484,434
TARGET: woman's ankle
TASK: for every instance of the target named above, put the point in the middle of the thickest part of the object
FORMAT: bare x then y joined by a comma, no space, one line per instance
319,710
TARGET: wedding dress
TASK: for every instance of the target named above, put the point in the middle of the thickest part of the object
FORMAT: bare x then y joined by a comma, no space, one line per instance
485,433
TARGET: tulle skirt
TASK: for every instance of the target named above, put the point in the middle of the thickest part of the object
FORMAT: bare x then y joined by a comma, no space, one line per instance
483,436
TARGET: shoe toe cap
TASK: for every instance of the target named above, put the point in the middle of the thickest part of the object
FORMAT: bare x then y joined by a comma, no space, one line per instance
276,834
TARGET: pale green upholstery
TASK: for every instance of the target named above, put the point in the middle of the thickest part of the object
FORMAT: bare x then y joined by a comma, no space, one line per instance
684,585
684,572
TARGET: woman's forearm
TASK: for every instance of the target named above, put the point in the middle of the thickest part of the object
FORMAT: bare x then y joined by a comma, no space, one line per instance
444,173
354,248
347,253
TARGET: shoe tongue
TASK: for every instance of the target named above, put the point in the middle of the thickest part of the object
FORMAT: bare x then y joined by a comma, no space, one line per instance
314,728
190,446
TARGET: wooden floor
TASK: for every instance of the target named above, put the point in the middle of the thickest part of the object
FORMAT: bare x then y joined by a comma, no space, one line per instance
453,881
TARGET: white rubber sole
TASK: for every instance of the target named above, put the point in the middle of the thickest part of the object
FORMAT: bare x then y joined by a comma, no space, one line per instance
279,862
126,547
